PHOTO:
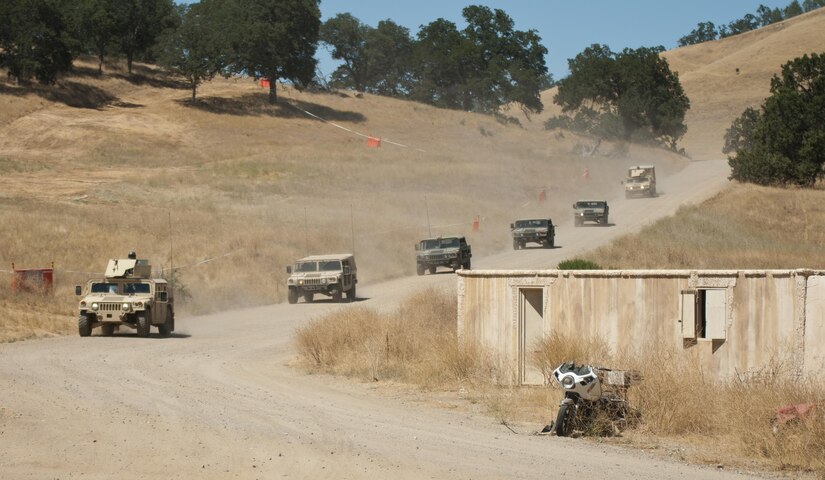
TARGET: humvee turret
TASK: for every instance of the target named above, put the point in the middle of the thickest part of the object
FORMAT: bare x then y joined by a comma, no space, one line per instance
126,295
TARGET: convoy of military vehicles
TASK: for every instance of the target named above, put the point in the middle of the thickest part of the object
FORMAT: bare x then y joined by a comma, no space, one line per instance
129,296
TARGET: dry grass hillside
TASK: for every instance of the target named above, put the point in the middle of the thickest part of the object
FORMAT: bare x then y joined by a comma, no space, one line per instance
718,94
97,166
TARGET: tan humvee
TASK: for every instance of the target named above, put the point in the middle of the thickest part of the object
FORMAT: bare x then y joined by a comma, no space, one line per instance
640,181
331,275
127,295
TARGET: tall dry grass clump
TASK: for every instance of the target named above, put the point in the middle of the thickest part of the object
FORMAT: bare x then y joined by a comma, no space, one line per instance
416,343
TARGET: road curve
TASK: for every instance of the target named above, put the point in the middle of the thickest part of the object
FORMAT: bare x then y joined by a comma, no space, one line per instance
219,400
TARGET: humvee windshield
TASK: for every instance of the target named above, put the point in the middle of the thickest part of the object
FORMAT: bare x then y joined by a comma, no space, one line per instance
130,288
589,204
440,243
638,180
306,267
329,265
104,288
531,223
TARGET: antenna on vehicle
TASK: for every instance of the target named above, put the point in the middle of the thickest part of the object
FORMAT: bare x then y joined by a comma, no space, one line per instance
352,227
427,208
306,235
171,258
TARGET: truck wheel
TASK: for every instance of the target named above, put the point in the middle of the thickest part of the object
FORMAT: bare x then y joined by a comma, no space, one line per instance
419,269
432,270
169,325
143,325
336,297
107,329
84,326
351,294
309,297
292,296
466,265
604,220
577,222
515,244
552,243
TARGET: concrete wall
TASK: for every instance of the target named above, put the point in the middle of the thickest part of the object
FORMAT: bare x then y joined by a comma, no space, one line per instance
761,315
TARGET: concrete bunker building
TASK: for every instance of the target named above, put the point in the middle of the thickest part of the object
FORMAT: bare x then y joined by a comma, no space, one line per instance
730,321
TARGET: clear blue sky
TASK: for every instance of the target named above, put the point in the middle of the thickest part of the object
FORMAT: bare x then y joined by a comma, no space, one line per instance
565,26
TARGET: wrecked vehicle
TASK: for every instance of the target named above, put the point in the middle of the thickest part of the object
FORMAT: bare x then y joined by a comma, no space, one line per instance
591,393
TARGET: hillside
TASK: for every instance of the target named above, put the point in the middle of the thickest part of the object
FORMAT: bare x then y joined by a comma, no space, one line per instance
718,93
95,167
232,189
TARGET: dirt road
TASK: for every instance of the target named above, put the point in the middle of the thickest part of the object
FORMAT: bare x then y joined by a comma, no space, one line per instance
218,399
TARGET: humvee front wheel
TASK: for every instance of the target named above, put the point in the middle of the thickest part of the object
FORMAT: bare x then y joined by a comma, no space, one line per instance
515,245
419,269
351,294
143,325
292,296
84,326
165,329
466,265
107,329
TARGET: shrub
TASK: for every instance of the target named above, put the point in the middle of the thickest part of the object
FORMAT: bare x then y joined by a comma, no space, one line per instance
579,264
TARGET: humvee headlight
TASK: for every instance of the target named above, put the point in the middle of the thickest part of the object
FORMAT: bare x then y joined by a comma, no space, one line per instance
126,307
95,306
300,282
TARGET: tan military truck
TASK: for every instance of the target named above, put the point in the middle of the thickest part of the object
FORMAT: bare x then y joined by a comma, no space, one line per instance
126,296
331,275
640,181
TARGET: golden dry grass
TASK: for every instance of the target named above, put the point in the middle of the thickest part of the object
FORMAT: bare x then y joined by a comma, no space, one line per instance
98,166
720,422
744,227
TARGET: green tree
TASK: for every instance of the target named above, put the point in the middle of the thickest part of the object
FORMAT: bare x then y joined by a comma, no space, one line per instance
768,15
635,87
140,23
441,57
486,65
704,32
745,24
784,143
347,37
197,49
34,40
276,39
389,54
809,5
96,25
793,9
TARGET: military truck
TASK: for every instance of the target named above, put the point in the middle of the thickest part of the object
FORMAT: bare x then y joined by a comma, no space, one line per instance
535,230
640,181
330,275
590,211
126,296
450,252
